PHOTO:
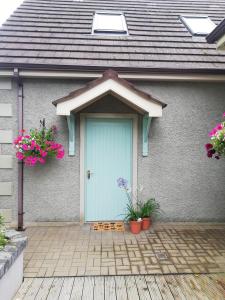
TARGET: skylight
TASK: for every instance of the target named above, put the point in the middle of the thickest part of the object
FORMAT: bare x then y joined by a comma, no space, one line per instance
198,25
109,23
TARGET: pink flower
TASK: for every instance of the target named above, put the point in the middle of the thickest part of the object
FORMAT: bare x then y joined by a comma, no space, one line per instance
41,160
25,147
37,147
224,114
17,140
33,144
213,132
219,127
19,155
60,154
43,153
31,161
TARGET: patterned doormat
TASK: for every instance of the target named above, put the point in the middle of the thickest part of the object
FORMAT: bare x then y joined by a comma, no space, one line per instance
108,226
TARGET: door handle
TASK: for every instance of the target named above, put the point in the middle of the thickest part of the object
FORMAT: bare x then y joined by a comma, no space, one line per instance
89,173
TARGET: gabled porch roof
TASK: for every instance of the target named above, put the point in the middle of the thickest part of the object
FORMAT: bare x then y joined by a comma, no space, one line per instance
109,83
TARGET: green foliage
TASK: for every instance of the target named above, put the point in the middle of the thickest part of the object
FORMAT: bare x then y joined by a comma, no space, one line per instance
133,212
42,135
218,141
3,239
148,208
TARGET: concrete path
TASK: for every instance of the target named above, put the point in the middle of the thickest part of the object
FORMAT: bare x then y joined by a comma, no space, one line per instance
160,287
74,250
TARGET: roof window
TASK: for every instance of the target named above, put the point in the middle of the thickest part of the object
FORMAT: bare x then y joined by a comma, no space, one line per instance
109,23
198,25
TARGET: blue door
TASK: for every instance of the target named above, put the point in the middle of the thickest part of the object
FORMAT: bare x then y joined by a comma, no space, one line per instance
108,156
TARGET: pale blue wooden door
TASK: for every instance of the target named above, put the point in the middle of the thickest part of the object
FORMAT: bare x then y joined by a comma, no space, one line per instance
108,156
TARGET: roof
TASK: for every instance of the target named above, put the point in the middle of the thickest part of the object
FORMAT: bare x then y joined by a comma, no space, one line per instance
110,82
56,34
217,33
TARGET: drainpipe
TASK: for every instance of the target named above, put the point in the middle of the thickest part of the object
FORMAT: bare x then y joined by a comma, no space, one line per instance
20,163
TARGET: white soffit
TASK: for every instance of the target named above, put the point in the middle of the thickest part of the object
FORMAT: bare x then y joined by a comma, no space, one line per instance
152,108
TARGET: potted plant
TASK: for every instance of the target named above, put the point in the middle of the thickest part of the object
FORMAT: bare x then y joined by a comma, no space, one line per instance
147,210
139,213
133,216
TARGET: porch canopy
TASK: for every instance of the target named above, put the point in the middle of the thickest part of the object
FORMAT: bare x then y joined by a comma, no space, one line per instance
109,83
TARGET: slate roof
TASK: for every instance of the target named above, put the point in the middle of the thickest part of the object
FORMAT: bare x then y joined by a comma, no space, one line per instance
57,34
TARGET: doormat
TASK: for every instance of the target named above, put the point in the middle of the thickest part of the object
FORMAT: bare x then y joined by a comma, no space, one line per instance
108,226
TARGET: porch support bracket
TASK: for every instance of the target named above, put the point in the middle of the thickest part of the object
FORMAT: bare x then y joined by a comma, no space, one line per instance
71,128
146,122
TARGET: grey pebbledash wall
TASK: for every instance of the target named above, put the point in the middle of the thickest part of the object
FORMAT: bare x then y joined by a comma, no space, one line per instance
188,185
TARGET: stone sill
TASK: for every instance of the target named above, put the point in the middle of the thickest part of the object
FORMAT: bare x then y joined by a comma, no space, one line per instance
8,255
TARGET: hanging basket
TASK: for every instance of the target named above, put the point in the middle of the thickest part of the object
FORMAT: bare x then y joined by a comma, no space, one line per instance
36,146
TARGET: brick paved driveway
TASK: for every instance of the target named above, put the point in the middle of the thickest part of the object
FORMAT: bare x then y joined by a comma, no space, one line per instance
74,250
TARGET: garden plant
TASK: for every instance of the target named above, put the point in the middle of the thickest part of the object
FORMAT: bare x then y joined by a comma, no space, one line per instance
39,144
138,212
216,147
3,239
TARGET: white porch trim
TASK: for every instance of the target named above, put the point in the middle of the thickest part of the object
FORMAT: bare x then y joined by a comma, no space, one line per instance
140,103
83,117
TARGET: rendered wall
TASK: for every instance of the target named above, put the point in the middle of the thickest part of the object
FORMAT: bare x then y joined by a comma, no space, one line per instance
188,185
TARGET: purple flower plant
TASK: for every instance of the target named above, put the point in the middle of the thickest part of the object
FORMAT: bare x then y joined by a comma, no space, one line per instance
122,183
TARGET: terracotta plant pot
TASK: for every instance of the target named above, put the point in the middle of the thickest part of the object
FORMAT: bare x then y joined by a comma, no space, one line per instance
146,223
135,227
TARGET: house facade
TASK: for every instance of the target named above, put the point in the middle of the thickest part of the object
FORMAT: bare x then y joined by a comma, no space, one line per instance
135,99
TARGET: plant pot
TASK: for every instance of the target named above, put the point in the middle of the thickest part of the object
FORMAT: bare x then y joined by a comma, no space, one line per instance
135,227
146,223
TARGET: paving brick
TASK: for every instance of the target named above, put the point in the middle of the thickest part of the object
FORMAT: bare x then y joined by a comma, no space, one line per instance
77,251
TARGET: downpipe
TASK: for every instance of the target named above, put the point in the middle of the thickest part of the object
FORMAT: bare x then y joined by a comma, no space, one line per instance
20,97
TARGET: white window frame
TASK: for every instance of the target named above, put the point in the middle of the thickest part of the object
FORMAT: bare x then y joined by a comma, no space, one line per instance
184,17
97,31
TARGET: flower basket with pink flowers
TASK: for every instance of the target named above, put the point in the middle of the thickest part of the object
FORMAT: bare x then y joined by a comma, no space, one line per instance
39,144
216,148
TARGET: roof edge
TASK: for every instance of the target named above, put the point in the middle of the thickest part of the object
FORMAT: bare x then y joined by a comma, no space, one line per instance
217,33
82,68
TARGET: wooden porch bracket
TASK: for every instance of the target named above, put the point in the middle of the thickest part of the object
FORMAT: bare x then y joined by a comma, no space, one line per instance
72,129
146,122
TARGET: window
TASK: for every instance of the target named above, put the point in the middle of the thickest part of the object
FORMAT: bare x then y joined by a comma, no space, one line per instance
109,22
198,25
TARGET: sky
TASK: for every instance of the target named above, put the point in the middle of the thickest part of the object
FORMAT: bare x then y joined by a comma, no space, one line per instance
7,7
